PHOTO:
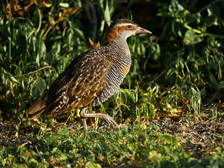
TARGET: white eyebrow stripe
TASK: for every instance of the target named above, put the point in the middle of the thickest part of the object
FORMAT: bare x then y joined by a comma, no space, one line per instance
123,24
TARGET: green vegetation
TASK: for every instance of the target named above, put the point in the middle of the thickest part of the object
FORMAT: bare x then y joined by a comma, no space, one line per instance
171,102
135,146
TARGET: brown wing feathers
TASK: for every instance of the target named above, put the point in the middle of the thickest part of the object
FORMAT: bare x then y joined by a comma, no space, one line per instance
76,87
37,108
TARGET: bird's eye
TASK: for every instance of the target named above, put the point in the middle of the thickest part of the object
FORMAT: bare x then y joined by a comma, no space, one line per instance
129,26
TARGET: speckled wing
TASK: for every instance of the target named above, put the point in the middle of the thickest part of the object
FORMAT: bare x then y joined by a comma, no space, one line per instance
79,85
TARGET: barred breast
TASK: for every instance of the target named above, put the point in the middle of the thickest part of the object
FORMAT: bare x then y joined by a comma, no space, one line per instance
116,73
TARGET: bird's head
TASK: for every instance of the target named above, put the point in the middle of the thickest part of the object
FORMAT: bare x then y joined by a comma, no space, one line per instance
123,28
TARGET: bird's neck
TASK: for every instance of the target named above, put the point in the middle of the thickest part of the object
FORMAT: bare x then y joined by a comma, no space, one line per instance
122,45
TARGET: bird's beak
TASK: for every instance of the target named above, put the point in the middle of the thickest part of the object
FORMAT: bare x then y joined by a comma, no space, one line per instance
141,30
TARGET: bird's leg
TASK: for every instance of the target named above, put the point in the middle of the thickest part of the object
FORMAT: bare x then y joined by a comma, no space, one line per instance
84,123
107,118
83,118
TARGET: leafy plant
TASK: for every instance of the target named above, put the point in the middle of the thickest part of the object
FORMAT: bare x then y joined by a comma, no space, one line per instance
198,47
177,73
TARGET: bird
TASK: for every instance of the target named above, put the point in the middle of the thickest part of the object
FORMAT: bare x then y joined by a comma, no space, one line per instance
92,77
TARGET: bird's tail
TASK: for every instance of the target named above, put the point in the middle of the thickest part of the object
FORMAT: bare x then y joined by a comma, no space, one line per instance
37,108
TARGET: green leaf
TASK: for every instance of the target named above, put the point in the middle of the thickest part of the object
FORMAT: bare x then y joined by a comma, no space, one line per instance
41,47
63,132
155,51
192,17
64,5
176,28
152,110
102,25
80,33
191,38
175,7
40,87
13,79
112,6
93,165
221,85
213,80
107,13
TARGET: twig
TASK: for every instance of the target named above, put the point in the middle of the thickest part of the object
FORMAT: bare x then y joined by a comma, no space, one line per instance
125,9
39,153
166,68
20,148
208,6
34,71
160,75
